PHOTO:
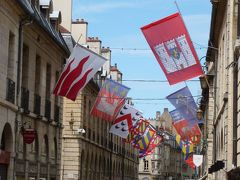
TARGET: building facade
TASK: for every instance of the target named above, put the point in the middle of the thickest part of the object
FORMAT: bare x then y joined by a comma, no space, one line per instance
167,161
220,102
32,54
89,151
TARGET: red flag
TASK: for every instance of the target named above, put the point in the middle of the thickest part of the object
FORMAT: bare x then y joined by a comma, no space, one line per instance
189,161
187,131
80,68
110,100
171,44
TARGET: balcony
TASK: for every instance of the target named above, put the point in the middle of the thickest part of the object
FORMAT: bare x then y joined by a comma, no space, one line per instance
10,96
48,109
56,113
25,100
37,104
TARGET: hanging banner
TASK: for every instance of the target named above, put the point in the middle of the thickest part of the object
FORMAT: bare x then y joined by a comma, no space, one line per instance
127,117
171,44
189,161
187,131
110,100
197,160
185,105
79,69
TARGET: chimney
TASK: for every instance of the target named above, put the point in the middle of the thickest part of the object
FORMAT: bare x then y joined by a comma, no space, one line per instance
165,109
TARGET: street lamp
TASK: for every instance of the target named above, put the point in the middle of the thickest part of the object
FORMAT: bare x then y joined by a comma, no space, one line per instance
199,114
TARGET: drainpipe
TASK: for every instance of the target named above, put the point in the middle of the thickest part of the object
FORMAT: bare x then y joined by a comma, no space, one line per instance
235,108
235,92
23,21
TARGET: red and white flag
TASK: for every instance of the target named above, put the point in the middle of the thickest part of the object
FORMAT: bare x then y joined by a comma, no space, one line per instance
171,44
79,69
127,117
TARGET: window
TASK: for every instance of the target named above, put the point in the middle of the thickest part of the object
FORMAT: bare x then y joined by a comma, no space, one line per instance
11,49
153,165
37,74
145,164
25,66
48,81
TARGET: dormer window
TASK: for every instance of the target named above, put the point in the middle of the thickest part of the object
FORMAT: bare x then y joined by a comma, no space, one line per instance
46,8
55,19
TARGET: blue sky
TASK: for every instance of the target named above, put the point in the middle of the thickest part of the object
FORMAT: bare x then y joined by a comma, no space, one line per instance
118,23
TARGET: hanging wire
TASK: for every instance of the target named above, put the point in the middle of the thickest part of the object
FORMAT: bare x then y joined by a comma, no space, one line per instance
151,80
137,99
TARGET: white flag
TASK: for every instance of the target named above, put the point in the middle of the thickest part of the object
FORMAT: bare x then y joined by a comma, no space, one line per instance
127,117
79,69
197,160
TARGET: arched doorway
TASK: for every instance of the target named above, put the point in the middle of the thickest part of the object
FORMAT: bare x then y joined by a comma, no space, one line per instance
6,146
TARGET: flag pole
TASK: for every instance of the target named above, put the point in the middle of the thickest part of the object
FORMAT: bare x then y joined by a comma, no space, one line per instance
78,40
184,25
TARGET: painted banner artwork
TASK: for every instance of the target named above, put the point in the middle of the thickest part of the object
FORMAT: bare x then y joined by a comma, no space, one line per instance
127,117
171,44
145,140
186,130
110,100
186,146
79,69
185,105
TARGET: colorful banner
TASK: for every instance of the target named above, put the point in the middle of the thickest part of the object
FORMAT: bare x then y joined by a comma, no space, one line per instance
171,44
79,69
110,100
137,131
145,140
127,117
186,146
185,105
189,161
187,131
156,140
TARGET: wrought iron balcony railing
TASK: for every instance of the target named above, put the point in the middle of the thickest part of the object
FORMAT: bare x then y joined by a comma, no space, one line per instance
10,96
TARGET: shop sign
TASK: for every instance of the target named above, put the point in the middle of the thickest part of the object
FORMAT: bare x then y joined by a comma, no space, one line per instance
28,135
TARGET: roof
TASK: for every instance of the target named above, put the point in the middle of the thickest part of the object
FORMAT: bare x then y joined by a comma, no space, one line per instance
63,30
44,2
36,16
56,15
114,68
93,39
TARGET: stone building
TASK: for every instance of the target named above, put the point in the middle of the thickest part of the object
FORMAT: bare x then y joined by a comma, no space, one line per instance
89,151
220,90
167,160
32,54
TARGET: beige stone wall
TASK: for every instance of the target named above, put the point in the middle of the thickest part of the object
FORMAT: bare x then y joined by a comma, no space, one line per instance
38,161
65,6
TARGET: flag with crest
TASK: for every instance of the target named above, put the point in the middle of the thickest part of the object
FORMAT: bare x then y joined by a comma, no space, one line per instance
186,108
146,138
185,146
137,131
171,44
156,140
127,117
110,100
79,69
